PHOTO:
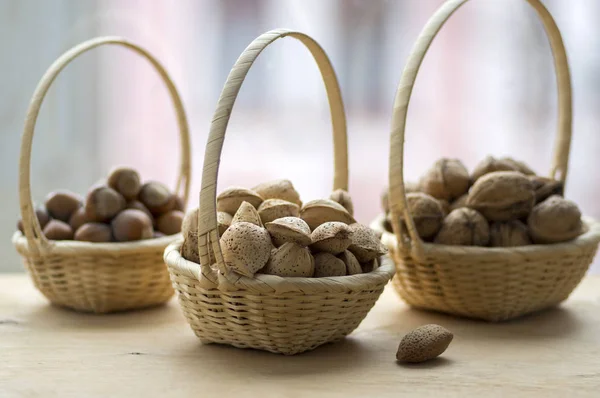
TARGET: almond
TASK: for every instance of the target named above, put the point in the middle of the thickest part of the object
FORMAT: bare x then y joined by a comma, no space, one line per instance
289,229
290,260
272,209
352,265
365,244
331,237
424,343
278,189
231,199
326,264
247,213
317,212
246,248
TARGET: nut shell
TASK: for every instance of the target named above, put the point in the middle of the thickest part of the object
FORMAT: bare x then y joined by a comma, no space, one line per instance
464,227
62,204
326,264
136,204
189,230
58,230
555,220
272,209
426,213
509,234
489,165
157,197
289,229
278,189
317,212
545,187
130,225
103,204
352,265
502,196
343,197
247,213
246,248
94,232
126,181
365,244
459,202
331,237
290,260
170,222
424,343
447,179
231,199
42,216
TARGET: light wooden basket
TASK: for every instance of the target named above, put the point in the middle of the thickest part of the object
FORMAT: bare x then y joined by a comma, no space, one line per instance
96,277
487,283
267,312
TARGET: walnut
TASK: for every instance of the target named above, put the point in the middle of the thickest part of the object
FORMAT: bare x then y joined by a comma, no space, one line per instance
491,164
555,220
464,227
446,179
508,234
445,205
426,213
502,196
459,202
545,187
408,188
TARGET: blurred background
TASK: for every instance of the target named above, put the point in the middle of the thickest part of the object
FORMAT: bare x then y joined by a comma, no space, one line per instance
486,87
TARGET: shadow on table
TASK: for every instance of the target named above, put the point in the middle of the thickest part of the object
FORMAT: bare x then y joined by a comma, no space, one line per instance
330,358
557,322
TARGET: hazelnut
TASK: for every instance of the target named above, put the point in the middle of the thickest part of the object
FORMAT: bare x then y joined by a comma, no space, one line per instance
103,203
426,213
331,237
555,220
58,230
446,179
157,197
317,212
94,232
230,199
545,187
78,218
342,197
278,189
509,234
131,224
62,204
170,222
126,181
137,205
246,248
502,196
290,260
247,213
289,229
272,209
179,204
42,216
464,227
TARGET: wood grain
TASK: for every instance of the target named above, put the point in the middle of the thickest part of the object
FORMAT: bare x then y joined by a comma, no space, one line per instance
50,352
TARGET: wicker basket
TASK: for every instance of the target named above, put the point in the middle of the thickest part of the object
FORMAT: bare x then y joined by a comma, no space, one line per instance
280,315
95,277
493,284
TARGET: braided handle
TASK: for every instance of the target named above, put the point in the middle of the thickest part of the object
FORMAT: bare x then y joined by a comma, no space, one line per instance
208,235
31,226
398,203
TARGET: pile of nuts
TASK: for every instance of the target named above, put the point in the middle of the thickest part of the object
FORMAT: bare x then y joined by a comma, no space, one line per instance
502,203
120,209
268,230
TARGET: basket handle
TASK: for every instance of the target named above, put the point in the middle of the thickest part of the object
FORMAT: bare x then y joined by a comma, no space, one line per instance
31,226
562,144
208,235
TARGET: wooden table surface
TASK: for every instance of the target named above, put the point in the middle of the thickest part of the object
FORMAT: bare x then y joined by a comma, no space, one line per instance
52,352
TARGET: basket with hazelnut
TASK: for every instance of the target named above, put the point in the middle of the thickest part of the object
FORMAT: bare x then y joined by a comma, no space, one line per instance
102,252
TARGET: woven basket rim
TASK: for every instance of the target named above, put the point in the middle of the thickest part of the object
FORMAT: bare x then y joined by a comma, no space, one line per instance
590,237
275,284
77,248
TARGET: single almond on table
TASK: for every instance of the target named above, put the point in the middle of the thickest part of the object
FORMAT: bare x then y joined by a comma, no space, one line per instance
424,343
